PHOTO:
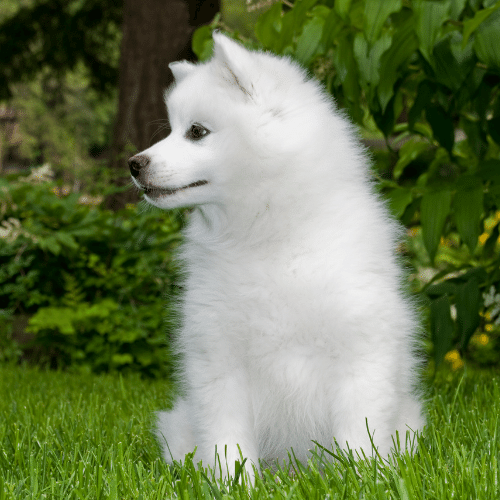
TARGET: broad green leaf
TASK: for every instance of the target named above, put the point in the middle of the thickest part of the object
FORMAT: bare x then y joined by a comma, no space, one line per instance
268,27
342,7
368,57
444,288
434,209
442,126
452,62
476,136
309,39
347,69
486,40
457,6
468,301
471,25
332,27
441,328
203,43
376,14
468,207
431,15
409,152
386,120
425,91
299,13
404,44
399,199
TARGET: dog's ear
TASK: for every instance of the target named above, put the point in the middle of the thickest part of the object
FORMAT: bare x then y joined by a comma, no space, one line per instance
235,62
181,69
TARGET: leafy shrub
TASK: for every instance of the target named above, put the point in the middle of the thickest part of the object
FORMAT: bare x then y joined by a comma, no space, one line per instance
424,75
93,281
9,348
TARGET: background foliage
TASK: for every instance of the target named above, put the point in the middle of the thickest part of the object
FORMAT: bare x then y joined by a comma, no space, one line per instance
93,283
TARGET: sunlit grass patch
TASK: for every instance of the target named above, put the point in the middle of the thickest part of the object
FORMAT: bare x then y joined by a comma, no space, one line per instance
66,436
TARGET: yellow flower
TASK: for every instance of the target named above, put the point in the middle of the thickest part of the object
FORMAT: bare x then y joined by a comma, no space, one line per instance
456,365
483,339
488,327
480,339
452,356
483,238
487,316
497,215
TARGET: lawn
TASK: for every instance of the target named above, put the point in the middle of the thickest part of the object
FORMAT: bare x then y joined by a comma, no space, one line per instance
66,436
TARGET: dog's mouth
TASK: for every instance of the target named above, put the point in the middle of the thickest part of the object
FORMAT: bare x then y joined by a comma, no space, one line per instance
156,192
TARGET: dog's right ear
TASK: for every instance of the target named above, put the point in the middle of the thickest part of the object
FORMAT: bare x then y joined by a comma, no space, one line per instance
181,69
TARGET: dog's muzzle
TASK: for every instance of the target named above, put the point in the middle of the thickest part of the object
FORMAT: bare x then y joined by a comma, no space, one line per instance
136,163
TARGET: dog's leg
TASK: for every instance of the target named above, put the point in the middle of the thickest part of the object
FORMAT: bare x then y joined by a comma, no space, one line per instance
223,417
361,400
175,433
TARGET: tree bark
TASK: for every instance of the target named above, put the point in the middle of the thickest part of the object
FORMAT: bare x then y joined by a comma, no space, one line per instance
155,33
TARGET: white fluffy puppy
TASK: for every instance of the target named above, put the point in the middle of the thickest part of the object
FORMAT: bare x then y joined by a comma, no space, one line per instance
294,324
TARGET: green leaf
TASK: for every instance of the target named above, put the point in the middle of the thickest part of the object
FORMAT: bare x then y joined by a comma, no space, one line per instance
299,13
486,41
399,199
434,209
441,328
342,7
385,121
444,288
468,207
376,14
347,69
431,15
476,136
452,62
309,39
368,56
409,152
425,91
333,26
442,126
468,301
203,43
268,27
471,25
394,60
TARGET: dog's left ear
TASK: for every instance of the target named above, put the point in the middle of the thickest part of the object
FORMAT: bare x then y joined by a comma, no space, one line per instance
235,62
181,69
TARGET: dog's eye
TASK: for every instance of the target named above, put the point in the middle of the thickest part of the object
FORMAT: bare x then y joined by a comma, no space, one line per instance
196,132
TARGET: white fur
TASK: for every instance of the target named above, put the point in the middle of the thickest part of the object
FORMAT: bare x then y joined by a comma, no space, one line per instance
294,325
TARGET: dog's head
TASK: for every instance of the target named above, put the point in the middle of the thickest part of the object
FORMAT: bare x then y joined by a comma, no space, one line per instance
239,122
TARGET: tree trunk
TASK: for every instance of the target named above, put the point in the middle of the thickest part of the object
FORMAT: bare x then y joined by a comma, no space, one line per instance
155,33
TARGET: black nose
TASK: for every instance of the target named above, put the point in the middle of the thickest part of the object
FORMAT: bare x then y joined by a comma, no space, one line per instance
136,163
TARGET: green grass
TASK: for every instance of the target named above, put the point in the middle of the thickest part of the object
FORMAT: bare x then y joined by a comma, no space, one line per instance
65,436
